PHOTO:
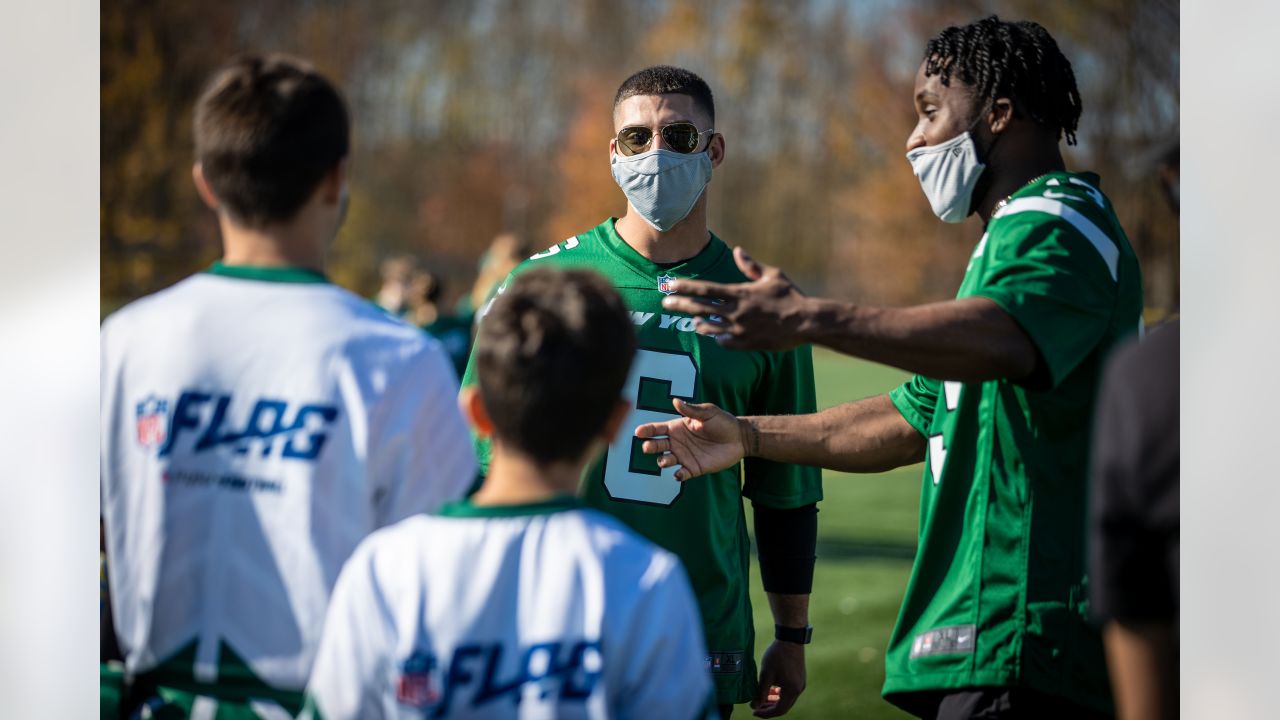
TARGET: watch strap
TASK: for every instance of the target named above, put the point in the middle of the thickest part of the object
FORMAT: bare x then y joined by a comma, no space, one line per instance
800,635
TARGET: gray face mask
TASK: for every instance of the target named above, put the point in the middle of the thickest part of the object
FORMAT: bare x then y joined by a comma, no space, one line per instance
662,185
949,172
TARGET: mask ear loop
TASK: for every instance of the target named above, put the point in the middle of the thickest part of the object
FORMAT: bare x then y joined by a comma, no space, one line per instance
986,154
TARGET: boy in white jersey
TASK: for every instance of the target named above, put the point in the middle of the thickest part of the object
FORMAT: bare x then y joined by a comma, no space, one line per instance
520,602
258,421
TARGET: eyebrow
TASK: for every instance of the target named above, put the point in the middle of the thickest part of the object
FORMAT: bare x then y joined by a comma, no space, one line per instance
672,122
926,95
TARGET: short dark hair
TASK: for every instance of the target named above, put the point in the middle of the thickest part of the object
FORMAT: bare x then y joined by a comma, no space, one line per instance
1016,60
552,356
267,130
664,79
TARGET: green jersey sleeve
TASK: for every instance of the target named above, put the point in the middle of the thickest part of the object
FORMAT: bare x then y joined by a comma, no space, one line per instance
916,399
787,388
1048,276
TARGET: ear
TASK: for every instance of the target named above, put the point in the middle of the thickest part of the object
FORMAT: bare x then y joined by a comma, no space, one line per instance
1001,115
613,423
473,409
332,184
613,147
202,187
715,149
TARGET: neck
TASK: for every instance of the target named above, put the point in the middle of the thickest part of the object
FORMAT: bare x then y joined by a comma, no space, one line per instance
681,242
1022,168
515,479
281,245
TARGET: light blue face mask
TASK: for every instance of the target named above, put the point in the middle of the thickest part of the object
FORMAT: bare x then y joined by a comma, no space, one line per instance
662,185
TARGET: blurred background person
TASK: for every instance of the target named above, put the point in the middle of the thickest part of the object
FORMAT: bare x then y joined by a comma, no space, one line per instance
505,252
453,331
394,294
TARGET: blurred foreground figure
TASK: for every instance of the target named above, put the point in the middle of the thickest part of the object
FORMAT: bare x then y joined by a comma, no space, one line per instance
520,602
994,623
1134,519
663,154
257,420
1134,525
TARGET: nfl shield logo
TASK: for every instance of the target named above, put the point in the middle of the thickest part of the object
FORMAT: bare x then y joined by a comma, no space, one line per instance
664,284
152,421
414,688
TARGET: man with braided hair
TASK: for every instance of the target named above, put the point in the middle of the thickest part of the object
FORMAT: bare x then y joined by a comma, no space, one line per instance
994,622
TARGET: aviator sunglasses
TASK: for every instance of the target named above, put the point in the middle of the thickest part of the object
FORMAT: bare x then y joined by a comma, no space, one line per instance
682,137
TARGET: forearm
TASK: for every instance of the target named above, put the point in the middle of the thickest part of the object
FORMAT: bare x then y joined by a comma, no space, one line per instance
865,436
970,340
789,610
786,545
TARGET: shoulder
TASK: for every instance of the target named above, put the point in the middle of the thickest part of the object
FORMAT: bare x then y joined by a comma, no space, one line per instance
1064,205
177,295
584,247
369,334
1069,200
723,268
388,554
626,553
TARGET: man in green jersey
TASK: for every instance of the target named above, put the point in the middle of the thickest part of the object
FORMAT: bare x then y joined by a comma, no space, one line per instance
994,622
662,155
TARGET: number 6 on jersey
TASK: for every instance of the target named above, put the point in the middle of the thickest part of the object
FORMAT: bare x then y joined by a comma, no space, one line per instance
629,475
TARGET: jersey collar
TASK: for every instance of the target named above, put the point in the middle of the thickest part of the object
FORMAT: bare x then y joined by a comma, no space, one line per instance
267,273
646,268
465,508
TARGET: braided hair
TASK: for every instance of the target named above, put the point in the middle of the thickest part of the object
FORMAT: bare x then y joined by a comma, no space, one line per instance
1016,60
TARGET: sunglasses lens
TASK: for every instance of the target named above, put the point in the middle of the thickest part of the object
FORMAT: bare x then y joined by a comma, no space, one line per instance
634,140
682,137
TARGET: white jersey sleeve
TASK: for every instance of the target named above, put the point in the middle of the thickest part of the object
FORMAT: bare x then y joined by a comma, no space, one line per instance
667,675
420,449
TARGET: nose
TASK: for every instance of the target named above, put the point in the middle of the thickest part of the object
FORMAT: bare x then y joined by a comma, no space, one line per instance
658,141
916,139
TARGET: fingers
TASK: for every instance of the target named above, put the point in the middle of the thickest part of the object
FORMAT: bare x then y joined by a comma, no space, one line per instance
656,447
705,288
650,430
695,411
752,269
691,305
768,700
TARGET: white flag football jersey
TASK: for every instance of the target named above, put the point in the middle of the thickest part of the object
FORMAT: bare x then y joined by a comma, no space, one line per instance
257,423
546,610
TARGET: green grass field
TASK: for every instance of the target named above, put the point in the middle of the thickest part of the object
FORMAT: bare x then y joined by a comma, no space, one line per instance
866,541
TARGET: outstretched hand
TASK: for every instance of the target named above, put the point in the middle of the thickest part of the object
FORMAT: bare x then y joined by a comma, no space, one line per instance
702,440
764,313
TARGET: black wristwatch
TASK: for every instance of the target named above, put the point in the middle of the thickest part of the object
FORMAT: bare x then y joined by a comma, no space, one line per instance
801,636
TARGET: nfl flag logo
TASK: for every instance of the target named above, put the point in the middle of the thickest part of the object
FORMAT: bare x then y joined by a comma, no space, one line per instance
153,420
664,284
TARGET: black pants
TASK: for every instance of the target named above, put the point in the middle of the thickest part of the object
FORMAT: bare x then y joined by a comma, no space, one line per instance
1009,704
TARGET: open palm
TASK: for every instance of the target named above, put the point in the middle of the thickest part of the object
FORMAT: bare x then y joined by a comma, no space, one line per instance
702,440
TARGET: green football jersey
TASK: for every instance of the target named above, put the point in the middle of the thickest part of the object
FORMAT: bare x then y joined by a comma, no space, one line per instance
701,521
997,596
